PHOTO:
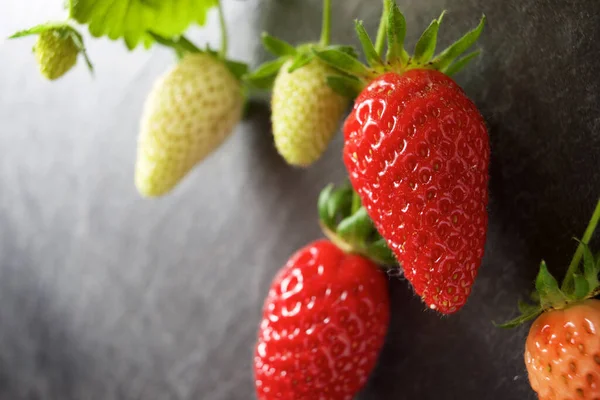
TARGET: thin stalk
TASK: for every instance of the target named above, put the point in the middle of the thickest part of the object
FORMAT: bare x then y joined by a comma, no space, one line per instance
587,235
224,37
381,31
326,28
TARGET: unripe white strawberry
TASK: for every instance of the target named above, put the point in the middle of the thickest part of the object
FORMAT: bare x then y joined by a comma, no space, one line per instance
305,112
190,112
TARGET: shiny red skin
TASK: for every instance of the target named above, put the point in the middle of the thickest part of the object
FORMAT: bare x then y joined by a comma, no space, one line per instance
324,324
417,152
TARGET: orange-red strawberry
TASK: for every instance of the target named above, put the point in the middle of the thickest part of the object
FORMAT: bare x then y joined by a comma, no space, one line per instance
417,152
562,352
324,323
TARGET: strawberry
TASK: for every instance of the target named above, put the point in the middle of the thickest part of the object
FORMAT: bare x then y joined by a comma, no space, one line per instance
305,111
324,323
191,110
56,49
55,55
417,152
562,352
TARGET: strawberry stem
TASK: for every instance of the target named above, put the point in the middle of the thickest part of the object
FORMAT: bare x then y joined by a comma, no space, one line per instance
223,52
326,29
589,232
381,31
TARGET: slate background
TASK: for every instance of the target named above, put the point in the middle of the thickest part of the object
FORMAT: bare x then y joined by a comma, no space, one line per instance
104,295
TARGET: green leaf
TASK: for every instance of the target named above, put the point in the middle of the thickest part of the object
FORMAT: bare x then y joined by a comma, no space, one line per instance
547,286
396,32
344,63
447,57
357,227
345,86
132,19
367,45
582,288
425,47
457,66
276,46
531,314
300,61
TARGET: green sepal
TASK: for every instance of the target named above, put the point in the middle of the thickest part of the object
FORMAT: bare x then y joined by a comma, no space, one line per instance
180,45
347,224
447,57
265,75
425,47
461,63
396,33
344,62
36,30
350,50
345,85
334,203
63,29
590,268
581,287
531,314
379,250
525,307
547,286
367,45
325,216
356,226
278,47
237,68
300,61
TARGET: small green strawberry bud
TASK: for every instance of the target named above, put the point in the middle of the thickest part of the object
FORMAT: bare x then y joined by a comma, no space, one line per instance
55,52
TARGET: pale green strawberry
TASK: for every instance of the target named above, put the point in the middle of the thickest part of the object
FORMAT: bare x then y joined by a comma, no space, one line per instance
56,48
305,112
190,111
55,53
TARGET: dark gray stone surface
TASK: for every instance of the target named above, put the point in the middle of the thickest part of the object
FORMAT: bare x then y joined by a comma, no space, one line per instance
105,296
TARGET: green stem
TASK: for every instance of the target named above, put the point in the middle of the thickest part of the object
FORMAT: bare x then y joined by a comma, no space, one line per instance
587,235
224,37
326,29
381,31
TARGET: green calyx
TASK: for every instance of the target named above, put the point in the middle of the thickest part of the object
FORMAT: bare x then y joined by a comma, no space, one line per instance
393,30
65,34
346,223
182,46
264,76
580,283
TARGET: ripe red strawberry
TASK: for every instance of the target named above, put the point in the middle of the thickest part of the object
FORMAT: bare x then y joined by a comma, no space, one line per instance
324,323
562,352
417,152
